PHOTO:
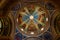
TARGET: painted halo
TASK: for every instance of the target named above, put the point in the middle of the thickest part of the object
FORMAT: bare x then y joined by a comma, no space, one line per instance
33,20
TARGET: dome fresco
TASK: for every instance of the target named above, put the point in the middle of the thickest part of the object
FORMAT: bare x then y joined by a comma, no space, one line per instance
29,20
33,20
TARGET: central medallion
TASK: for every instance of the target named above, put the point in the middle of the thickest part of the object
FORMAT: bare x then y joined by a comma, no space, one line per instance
31,17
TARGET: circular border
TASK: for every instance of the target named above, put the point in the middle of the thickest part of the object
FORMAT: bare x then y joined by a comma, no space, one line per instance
45,29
